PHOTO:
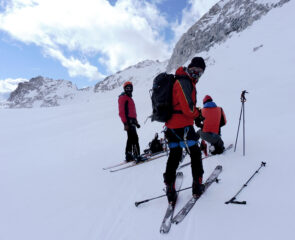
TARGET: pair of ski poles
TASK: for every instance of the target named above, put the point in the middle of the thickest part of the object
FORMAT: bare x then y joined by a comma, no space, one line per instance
243,100
232,200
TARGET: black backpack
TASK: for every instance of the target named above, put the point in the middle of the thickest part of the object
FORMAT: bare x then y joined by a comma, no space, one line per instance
156,146
162,97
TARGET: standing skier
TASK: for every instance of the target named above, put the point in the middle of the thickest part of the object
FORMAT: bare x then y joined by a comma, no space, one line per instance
180,132
210,122
127,113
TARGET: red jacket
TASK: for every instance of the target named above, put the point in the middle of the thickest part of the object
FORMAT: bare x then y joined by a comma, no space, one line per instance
127,110
184,99
214,119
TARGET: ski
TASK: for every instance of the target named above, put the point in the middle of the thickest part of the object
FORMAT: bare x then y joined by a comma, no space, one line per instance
133,164
186,164
189,205
124,162
166,223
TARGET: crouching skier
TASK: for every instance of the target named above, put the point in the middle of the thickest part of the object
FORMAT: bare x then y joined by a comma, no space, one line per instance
213,118
127,113
180,132
156,145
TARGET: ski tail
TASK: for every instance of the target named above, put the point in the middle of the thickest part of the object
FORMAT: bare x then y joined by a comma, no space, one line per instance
166,223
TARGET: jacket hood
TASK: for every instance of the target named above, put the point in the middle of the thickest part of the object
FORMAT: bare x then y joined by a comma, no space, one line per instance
181,72
210,105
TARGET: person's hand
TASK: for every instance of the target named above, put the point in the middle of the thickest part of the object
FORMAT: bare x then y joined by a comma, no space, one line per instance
137,124
126,127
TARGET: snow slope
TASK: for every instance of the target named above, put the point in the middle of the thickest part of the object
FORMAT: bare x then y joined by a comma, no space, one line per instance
51,179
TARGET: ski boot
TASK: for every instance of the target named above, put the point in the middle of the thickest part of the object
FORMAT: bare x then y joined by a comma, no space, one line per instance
198,187
203,147
129,157
139,159
171,194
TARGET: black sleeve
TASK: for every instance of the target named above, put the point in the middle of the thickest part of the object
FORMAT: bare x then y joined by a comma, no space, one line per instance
187,88
222,121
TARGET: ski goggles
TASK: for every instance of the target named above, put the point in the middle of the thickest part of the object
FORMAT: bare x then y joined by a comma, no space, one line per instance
195,72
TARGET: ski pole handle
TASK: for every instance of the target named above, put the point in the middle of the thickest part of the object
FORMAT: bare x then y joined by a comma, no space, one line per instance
238,202
235,202
138,203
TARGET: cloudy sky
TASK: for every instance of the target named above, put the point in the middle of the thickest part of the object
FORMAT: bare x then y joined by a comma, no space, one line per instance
86,40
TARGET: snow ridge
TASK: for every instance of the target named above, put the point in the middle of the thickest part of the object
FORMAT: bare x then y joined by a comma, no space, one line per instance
223,18
133,73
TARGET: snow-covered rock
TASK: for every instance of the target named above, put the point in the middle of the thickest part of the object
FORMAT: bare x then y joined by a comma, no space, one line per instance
225,17
41,92
141,72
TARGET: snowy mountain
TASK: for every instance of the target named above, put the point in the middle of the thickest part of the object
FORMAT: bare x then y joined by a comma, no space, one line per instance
135,74
46,92
223,19
42,92
51,179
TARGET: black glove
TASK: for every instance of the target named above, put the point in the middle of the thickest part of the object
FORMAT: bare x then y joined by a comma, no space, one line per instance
126,127
136,123
199,121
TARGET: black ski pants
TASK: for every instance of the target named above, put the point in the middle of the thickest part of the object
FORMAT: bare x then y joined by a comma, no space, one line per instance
212,138
175,154
132,145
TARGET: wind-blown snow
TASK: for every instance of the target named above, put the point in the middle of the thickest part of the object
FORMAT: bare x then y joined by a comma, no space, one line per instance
51,179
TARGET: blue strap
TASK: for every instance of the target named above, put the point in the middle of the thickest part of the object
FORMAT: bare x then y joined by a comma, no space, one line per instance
182,144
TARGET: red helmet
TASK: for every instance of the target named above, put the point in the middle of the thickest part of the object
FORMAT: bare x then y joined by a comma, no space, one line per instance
127,83
207,98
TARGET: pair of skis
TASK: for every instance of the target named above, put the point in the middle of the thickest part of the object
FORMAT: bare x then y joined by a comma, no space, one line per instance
125,165
169,218
186,164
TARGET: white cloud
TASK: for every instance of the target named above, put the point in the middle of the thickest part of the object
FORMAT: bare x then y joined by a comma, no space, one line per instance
9,84
123,34
190,15
75,66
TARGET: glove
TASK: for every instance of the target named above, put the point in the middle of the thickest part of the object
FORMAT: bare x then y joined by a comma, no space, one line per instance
199,121
136,124
126,127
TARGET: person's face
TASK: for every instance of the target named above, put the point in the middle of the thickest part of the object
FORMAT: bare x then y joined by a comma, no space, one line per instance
128,89
195,73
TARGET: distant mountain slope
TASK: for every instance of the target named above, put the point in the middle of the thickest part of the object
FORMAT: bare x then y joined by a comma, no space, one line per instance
41,92
136,73
225,17
46,92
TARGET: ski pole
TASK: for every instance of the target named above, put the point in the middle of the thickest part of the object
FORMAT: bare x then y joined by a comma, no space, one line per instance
150,199
233,199
243,100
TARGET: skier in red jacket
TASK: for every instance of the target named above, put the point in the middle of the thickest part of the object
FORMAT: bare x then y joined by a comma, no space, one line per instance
180,131
127,113
210,122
